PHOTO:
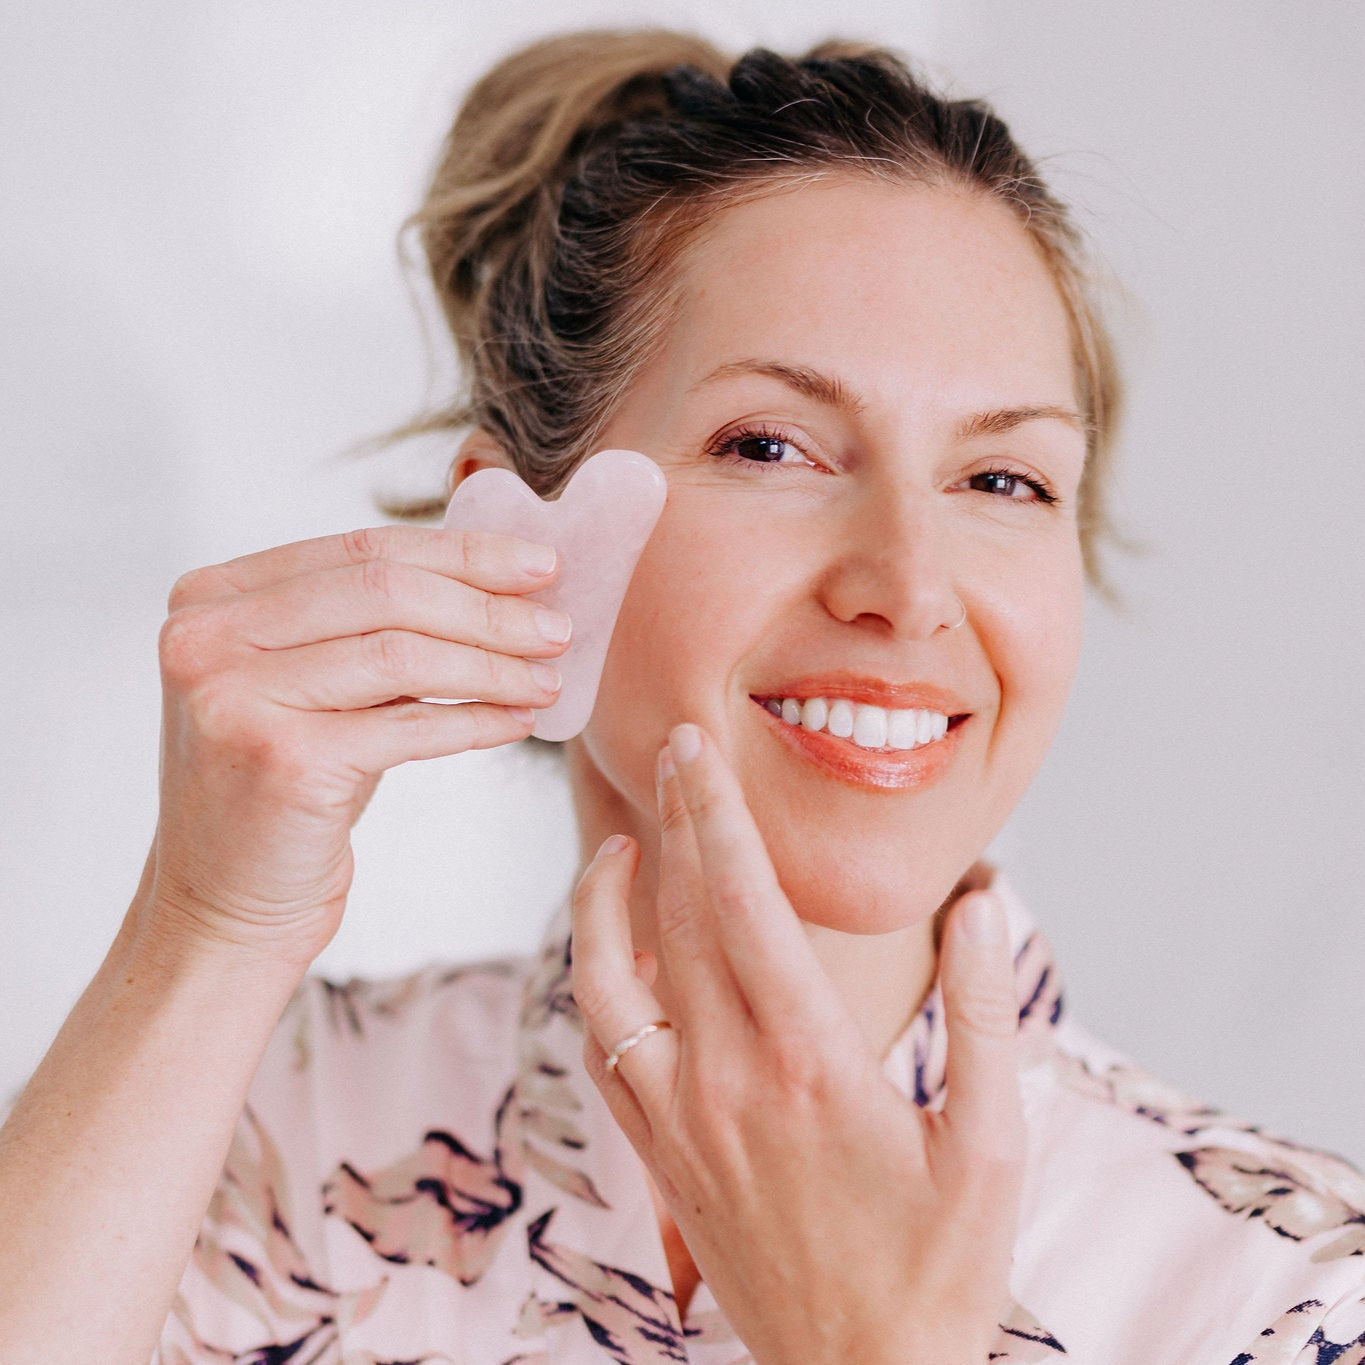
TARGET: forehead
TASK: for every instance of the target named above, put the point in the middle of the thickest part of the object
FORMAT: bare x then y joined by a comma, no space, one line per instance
916,290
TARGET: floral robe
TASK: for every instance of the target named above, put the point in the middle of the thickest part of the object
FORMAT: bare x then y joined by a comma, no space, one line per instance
423,1172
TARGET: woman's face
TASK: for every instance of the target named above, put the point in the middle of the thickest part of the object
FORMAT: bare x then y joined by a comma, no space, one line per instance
885,369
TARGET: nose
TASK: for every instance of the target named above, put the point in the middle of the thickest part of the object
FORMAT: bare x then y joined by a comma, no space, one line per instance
890,566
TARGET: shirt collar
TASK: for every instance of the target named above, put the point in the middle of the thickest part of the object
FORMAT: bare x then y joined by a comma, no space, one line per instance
915,1062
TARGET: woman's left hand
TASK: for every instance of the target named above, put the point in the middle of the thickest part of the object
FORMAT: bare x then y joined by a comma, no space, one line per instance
831,1217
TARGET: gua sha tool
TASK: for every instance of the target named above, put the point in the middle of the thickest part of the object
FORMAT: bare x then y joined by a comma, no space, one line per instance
598,525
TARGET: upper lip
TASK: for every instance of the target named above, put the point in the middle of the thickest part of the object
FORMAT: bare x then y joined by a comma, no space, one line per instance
896,696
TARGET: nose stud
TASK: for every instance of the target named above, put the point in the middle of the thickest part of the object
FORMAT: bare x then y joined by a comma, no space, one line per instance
962,618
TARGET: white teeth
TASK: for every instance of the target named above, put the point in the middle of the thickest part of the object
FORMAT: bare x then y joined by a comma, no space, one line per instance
869,727
902,730
840,722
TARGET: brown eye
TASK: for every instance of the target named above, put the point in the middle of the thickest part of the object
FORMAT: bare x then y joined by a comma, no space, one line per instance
1007,483
758,446
760,449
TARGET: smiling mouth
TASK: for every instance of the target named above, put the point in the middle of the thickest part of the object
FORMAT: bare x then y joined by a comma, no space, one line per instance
867,745
877,729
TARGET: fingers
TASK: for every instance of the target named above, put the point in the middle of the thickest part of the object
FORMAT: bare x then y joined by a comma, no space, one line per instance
483,559
707,997
983,1110
613,998
386,595
766,949
366,670
384,736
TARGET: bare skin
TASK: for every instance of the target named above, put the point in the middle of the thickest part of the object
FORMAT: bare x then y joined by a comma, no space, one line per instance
857,553
832,1218
290,679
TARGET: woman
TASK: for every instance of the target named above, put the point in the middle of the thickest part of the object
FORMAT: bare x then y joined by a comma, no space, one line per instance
791,1079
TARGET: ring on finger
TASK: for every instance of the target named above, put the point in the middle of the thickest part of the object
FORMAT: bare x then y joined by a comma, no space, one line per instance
621,1048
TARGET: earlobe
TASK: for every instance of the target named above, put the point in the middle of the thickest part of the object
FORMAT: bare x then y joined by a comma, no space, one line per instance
477,451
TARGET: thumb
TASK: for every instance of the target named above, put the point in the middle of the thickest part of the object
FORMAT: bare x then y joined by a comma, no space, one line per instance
983,1111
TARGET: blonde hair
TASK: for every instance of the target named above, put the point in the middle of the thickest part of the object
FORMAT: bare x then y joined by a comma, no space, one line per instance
580,166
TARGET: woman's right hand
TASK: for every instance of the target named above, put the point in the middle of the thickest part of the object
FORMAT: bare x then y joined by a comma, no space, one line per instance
290,681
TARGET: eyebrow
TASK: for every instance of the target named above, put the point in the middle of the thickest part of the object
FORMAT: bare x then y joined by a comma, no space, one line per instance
833,392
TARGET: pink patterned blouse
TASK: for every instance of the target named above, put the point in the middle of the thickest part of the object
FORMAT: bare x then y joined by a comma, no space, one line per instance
424,1173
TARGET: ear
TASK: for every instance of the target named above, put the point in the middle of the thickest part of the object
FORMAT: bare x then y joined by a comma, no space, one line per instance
477,451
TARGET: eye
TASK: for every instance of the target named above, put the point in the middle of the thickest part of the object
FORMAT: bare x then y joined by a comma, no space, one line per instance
756,445
1008,482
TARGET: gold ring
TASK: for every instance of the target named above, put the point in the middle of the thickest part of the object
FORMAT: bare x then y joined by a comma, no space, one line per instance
622,1048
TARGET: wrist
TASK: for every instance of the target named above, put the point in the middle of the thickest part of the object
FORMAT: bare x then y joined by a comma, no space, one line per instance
182,943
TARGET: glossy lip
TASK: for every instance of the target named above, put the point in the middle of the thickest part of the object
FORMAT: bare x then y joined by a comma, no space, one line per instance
843,759
872,692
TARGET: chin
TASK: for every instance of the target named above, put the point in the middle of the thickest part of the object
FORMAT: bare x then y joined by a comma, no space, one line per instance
843,892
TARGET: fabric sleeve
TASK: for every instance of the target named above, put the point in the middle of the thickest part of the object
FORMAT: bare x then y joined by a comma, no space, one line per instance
1309,1334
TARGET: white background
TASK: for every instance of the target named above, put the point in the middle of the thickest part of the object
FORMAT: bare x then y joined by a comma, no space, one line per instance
203,308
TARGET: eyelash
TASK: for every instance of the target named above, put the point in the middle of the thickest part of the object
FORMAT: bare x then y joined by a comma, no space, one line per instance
722,450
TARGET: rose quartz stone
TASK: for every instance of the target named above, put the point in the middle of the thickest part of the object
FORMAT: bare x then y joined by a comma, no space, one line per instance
599,525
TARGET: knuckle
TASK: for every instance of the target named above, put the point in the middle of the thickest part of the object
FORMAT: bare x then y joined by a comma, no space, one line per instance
216,712
392,655
589,994
796,1067
490,610
181,645
418,722
676,917
673,818
705,802
189,587
507,676
987,1014
467,554
227,724
733,902
377,580
364,544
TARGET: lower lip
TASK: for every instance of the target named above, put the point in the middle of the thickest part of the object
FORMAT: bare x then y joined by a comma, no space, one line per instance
843,759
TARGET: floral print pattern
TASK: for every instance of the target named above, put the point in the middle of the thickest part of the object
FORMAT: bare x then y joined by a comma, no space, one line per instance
1299,1337
425,1173
272,1283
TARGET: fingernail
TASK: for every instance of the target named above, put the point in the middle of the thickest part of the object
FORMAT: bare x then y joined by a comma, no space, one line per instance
611,845
536,559
546,676
553,625
984,920
666,770
685,741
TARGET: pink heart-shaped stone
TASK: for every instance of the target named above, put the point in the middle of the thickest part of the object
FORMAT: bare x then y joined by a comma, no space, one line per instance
599,525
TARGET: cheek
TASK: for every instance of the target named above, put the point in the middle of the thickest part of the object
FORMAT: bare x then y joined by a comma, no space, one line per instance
683,625
692,604
1038,630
